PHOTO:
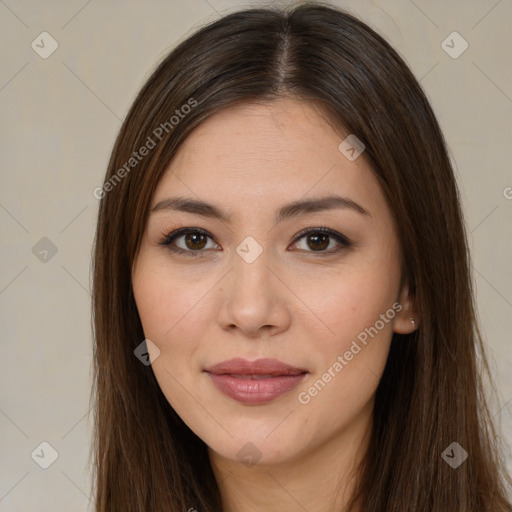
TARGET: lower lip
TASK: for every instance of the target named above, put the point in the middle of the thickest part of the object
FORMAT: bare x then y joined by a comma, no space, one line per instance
256,391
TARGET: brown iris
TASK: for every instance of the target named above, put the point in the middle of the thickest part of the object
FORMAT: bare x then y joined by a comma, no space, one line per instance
318,241
195,241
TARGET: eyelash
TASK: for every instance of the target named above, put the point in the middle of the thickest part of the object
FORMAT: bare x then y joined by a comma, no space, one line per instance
168,239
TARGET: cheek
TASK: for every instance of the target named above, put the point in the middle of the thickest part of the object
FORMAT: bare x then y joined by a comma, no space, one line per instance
357,310
350,359
353,301
172,316
164,304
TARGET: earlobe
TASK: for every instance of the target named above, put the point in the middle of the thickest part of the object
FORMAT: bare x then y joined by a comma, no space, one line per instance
406,320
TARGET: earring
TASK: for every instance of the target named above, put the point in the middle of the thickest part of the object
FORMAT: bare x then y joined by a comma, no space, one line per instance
412,320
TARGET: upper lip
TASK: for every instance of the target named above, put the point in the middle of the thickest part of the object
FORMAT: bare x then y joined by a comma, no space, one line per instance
258,367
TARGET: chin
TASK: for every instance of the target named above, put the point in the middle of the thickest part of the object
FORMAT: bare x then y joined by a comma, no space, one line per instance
259,448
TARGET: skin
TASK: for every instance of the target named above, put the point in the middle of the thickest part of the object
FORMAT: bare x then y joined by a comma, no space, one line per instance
292,303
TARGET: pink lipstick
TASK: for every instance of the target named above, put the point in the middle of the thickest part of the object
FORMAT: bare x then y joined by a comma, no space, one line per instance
255,382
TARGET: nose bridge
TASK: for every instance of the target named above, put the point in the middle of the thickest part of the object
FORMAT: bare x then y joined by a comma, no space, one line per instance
250,277
252,296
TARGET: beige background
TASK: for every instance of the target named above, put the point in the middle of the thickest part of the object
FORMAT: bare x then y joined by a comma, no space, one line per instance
59,117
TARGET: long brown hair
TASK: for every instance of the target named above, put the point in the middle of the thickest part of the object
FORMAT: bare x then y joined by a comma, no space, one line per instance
431,393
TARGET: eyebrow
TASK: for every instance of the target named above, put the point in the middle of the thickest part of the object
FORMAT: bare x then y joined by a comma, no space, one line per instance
293,209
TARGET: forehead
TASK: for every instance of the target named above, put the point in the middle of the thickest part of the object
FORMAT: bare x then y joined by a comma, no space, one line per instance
245,135
266,153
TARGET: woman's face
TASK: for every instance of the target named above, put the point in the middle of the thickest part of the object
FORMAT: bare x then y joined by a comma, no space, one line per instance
248,283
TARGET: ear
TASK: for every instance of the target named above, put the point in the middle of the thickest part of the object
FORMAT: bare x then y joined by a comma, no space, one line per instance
407,319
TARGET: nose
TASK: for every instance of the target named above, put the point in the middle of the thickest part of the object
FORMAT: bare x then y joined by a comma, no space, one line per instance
254,301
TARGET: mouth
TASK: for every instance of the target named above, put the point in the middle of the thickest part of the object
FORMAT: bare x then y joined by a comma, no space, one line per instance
255,382
252,376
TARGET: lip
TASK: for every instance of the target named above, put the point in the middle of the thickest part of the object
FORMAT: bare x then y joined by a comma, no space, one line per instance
264,366
255,382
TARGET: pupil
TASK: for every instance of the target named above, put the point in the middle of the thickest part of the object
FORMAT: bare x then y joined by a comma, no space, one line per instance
320,241
195,239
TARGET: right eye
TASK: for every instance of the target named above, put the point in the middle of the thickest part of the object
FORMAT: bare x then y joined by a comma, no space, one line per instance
190,241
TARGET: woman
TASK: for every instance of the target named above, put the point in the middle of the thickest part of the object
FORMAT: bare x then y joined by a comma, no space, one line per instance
283,309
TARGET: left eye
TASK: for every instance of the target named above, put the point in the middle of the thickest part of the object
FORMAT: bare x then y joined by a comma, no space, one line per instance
194,240
319,239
